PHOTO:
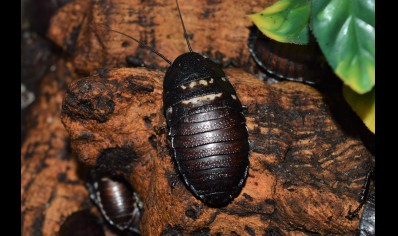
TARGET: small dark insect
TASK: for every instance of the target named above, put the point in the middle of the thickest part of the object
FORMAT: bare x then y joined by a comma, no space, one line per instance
367,225
367,199
81,223
364,195
207,129
301,63
117,201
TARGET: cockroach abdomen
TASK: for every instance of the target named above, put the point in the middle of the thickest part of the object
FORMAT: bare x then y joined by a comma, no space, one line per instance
118,202
300,63
207,129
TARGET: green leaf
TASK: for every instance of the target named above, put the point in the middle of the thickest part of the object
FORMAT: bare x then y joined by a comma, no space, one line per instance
285,21
363,105
345,31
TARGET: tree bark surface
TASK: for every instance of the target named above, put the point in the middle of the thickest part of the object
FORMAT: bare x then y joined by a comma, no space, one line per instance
305,170
50,186
218,29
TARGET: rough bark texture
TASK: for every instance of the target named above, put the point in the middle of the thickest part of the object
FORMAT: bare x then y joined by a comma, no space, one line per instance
308,162
36,59
305,173
218,29
50,187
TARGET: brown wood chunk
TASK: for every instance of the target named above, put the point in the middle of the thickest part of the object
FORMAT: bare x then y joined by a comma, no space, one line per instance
305,169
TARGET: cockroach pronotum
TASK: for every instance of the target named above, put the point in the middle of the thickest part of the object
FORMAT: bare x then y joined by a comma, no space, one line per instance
206,126
117,201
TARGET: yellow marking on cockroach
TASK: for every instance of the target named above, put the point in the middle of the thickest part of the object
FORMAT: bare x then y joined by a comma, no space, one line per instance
196,83
202,98
192,84
203,82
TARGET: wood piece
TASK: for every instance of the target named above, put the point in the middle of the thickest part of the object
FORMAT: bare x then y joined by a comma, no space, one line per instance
306,169
218,29
50,185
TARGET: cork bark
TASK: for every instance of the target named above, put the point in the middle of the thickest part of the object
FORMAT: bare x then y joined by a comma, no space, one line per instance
305,172
217,29
307,162
50,186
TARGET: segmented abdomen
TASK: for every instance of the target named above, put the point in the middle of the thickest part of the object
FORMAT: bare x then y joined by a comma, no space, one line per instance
118,203
209,138
303,63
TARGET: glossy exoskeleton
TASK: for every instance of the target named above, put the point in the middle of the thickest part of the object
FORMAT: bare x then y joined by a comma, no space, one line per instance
368,220
206,126
300,63
367,199
117,201
207,129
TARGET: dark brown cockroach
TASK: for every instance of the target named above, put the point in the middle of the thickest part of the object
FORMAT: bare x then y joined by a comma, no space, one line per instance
367,199
117,201
206,126
367,225
207,129
301,63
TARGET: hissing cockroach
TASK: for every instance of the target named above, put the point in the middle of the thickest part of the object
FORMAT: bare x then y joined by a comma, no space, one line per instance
117,201
206,126
367,225
301,63
367,199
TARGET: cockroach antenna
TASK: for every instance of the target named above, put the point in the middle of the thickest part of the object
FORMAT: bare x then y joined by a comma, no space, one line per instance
183,26
142,44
